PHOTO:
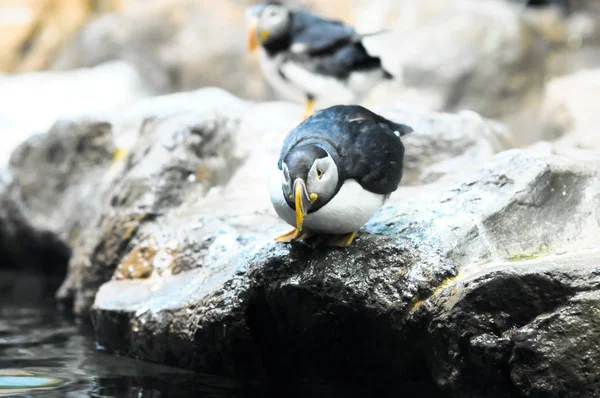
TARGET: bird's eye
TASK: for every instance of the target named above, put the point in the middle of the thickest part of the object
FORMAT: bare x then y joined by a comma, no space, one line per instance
319,173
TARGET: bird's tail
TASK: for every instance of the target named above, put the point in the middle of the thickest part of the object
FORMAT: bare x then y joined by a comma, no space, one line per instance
359,36
398,128
363,35
403,129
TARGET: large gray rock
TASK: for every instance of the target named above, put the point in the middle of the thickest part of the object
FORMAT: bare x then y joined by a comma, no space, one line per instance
460,289
189,153
178,265
446,143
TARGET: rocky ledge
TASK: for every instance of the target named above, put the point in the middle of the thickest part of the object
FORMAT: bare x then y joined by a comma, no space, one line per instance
480,277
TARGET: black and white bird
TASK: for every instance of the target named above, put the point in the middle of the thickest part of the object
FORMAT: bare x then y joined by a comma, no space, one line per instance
309,59
335,170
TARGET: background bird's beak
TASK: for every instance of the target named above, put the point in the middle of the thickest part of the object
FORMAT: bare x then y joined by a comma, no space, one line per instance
252,21
252,40
302,202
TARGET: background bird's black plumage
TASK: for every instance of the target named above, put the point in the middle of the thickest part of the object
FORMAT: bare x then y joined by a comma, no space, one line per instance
323,46
316,35
362,143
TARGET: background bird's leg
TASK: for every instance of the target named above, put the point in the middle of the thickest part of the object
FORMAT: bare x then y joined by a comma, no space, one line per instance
343,240
293,235
310,103
368,103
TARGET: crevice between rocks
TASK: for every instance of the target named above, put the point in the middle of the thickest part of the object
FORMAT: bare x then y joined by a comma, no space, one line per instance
300,343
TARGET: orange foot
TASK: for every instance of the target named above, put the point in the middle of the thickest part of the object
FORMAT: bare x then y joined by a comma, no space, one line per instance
342,240
293,235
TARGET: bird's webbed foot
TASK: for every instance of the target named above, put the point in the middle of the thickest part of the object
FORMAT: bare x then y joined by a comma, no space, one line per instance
293,235
343,240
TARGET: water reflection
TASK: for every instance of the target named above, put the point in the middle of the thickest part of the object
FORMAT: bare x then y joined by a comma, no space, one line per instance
38,344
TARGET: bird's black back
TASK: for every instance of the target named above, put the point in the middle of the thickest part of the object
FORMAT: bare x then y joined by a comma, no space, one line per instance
362,144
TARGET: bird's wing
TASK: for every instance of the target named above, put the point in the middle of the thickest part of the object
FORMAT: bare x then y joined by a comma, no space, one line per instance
339,62
377,163
372,150
314,35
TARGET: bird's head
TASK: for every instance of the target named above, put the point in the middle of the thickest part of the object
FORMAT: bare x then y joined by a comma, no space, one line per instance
267,22
310,180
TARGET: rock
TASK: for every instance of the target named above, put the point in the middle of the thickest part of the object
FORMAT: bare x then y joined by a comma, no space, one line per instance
177,45
484,56
446,143
175,255
569,109
77,168
34,253
480,56
446,290
65,95
78,165
525,329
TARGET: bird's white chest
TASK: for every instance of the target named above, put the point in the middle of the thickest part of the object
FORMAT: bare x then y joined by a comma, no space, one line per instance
346,212
284,87
327,91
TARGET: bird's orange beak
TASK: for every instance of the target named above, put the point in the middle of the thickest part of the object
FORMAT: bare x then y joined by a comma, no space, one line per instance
252,39
303,201
300,209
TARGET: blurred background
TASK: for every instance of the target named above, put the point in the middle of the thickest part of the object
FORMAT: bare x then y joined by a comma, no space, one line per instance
502,58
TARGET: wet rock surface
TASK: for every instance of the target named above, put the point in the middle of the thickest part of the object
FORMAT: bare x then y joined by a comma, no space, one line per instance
432,290
453,290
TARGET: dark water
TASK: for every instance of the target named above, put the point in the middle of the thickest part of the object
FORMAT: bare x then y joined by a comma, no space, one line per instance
40,343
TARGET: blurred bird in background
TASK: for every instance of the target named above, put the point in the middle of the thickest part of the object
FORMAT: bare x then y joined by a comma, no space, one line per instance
309,59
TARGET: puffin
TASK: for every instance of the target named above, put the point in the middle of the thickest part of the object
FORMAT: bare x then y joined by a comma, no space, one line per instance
313,60
335,170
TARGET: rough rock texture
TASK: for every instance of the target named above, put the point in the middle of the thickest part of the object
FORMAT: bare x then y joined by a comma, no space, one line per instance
451,291
438,289
187,155
446,143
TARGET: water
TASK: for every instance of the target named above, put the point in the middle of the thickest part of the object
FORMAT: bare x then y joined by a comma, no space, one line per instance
42,346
